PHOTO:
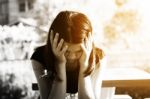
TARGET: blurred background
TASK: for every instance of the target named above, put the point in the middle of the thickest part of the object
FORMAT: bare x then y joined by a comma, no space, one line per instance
121,28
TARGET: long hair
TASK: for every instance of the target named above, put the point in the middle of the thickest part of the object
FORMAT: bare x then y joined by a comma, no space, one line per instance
73,27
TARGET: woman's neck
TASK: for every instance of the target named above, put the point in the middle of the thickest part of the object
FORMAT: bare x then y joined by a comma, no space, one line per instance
72,66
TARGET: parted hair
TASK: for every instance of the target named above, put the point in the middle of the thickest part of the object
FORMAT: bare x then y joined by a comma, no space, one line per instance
73,27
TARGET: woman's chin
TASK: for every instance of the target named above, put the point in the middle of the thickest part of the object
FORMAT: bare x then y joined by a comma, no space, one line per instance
72,65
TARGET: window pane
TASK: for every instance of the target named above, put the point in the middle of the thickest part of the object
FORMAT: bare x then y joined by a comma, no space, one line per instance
22,7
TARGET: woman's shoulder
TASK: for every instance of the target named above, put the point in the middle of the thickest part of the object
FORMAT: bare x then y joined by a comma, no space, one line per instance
38,54
40,48
99,52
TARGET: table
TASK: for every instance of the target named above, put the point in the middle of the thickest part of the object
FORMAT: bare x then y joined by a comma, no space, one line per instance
123,77
120,77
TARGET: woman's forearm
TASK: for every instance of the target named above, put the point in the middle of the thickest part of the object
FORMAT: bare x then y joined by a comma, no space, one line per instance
58,90
85,90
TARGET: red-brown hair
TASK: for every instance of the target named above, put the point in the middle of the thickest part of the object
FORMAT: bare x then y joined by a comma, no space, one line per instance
73,27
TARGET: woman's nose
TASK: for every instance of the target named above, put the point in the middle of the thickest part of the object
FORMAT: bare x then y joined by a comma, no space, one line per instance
72,56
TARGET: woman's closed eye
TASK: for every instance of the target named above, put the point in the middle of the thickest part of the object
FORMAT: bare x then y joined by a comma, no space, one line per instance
77,53
80,51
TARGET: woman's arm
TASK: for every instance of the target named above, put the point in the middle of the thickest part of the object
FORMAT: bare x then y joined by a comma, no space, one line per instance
85,90
58,90
44,83
47,88
59,85
97,76
90,86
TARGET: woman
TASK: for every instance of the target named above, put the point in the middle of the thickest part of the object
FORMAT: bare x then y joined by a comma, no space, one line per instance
70,60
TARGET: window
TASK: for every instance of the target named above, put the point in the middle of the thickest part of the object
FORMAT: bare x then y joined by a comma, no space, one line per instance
30,5
4,12
25,5
22,7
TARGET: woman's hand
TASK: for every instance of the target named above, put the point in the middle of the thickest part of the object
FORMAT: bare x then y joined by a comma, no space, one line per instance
87,48
58,48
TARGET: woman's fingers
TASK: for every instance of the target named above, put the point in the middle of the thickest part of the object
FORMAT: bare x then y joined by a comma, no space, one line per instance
55,42
83,47
51,37
90,37
90,40
87,43
60,44
64,49
57,46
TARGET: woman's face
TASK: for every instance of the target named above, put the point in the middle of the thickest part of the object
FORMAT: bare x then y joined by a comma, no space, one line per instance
73,52
73,55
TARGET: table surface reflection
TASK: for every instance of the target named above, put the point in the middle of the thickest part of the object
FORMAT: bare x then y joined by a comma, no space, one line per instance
125,77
